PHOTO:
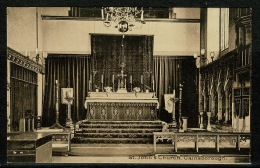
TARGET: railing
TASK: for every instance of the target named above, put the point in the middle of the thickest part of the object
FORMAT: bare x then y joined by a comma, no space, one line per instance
202,139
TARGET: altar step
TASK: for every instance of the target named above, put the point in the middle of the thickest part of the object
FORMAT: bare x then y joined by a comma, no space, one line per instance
116,132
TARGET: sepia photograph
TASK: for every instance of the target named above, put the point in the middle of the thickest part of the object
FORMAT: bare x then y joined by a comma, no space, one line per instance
143,85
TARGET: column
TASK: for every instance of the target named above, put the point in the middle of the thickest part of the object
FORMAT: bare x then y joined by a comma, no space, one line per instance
40,93
219,105
227,106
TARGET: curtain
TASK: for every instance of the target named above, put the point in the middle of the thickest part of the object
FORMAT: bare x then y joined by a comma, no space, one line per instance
170,72
71,71
109,51
166,74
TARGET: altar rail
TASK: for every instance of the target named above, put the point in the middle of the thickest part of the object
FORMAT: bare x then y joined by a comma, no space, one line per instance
199,138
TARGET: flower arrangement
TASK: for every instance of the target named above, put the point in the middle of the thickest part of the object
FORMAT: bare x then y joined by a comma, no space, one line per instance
108,89
136,89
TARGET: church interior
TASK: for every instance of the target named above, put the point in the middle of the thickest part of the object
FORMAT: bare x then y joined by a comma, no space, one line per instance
128,84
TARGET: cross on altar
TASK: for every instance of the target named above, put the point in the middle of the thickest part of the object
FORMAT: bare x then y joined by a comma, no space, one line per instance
122,75
174,100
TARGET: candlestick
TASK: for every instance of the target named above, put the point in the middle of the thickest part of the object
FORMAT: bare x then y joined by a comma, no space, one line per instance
107,17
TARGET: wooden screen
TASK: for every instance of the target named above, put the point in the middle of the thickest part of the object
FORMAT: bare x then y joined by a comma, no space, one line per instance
23,92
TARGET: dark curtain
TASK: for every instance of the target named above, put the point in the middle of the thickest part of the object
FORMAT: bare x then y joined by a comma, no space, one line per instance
71,71
170,72
109,51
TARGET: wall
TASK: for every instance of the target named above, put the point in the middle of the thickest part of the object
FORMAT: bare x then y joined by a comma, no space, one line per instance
73,36
213,32
21,29
68,36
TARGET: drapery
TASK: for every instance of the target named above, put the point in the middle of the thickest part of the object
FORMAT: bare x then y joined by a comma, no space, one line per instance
71,71
109,51
170,72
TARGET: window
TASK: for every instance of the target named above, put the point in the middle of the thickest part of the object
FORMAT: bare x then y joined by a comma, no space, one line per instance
224,28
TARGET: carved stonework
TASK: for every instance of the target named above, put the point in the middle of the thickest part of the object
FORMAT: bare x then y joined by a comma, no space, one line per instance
23,61
210,138
231,139
186,139
115,113
92,112
164,137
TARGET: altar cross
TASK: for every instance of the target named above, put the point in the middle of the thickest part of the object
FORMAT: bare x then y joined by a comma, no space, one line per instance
122,75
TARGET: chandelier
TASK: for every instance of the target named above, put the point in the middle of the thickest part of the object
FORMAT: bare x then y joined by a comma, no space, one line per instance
123,18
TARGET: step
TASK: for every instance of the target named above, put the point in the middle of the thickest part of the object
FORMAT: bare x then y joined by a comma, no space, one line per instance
119,121
112,140
115,135
108,130
118,126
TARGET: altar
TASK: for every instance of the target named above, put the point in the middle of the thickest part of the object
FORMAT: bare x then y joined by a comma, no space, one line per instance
121,106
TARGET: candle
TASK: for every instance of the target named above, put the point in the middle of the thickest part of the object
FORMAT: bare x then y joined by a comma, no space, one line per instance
131,79
56,81
26,53
90,78
102,78
102,13
29,53
89,87
142,79
36,51
113,78
173,92
125,83
142,15
153,85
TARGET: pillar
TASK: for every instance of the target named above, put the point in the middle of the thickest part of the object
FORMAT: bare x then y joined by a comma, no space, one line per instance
40,94
219,105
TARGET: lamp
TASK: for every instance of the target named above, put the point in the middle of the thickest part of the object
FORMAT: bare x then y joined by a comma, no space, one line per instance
201,57
212,55
124,18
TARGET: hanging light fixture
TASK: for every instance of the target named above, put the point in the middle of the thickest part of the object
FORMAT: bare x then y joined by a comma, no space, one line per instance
123,18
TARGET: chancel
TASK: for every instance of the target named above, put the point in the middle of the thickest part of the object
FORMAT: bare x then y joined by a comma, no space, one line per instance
85,83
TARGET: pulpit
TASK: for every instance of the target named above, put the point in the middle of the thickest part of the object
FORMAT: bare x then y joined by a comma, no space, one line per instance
121,106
